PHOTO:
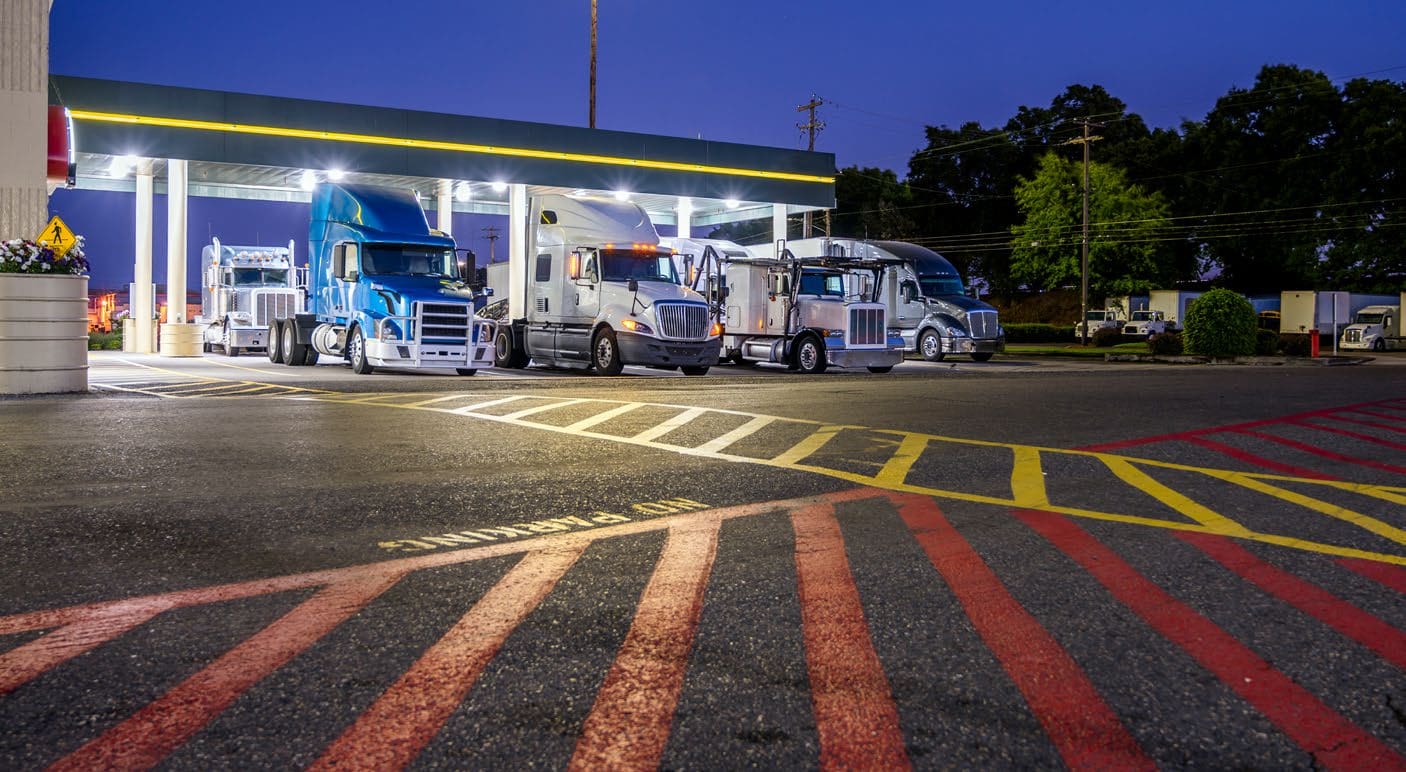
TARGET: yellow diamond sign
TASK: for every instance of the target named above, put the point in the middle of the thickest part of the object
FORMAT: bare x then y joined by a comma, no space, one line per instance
58,236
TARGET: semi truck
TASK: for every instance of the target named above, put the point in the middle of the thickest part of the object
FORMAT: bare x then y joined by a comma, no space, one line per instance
1144,323
601,292
242,289
383,290
1375,328
806,313
925,298
1098,319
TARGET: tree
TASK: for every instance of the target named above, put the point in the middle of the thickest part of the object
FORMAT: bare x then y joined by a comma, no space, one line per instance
871,203
1127,223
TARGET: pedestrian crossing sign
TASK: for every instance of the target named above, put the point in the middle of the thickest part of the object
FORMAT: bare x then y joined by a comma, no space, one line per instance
58,236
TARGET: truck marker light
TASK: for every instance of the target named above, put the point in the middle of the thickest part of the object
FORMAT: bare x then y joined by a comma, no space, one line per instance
717,329
431,144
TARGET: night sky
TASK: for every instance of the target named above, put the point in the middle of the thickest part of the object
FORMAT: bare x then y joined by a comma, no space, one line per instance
731,70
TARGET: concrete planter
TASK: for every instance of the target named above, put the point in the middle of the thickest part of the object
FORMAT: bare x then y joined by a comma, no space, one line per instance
43,333
181,340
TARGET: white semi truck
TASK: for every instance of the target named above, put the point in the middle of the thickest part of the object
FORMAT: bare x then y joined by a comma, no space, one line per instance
601,293
242,289
1375,328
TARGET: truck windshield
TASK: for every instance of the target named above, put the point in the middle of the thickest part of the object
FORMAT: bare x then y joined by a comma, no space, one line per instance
624,264
1099,316
260,277
1365,318
935,286
1142,316
408,260
824,284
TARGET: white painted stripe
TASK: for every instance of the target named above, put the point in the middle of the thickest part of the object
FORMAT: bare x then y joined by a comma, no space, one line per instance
437,399
745,430
489,403
649,435
542,409
600,418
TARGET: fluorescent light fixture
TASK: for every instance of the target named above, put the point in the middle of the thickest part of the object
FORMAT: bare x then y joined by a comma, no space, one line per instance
122,165
462,192
499,186
335,175
308,180
622,195
579,193
731,203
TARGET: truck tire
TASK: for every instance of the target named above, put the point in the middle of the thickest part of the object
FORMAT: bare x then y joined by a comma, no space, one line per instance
356,353
930,346
808,356
605,353
295,354
694,369
466,371
1379,345
310,357
981,356
881,370
504,355
275,340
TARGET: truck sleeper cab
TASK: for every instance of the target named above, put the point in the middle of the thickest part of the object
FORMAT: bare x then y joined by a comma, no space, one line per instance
242,288
1374,328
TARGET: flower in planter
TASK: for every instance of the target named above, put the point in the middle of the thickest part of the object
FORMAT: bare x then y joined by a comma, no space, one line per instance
25,256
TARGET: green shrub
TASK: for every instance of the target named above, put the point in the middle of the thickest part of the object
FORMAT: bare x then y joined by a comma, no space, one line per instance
1266,342
1294,345
1038,333
1221,323
1108,337
1165,344
104,341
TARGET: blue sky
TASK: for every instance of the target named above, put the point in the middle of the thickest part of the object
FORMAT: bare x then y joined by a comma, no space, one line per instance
731,70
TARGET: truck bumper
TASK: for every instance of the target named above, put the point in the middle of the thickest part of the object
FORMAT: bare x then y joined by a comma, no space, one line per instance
863,357
973,345
636,349
429,356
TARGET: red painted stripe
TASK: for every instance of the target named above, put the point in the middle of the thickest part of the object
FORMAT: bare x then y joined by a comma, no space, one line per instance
854,711
1354,435
1333,741
1082,727
1373,424
629,724
41,654
1317,451
1260,461
403,720
1381,573
1351,621
1122,444
151,733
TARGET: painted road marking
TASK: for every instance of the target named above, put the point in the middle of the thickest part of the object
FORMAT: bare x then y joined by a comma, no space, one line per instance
525,412
1027,477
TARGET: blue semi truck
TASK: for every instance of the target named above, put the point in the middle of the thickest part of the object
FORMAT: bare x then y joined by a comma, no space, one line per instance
383,290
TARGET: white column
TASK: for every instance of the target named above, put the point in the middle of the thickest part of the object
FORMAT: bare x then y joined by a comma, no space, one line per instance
684,215
176,190
24,102
142,303
444,201
778,225
517,251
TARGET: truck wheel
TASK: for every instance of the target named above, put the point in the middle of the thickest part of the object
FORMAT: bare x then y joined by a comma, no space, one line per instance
1379,345
356,352
605,353
930,346
694,369
881,370
275,339
206,347
809,355
295,354
981,356
504,355
466,371
310,357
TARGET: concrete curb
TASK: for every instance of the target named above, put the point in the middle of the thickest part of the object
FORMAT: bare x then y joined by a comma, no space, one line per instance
1328,361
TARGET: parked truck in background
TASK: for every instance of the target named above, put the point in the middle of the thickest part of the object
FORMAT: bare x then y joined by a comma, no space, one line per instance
243,288
1145,323
601,293
1375,328
383,289
926,300
1098,319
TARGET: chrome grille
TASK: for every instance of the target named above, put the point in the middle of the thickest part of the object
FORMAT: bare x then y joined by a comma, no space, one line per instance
866,327
682,321
274,304
1353,336
444,321
982,324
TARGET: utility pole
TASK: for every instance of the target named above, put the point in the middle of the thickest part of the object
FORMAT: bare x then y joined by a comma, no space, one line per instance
811,127
593,69
1085,140
492,231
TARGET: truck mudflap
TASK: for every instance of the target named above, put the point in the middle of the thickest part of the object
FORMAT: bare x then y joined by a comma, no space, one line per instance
636,349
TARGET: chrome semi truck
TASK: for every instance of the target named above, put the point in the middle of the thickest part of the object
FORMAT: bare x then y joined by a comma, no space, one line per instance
926,300
242,288
383,290
601,293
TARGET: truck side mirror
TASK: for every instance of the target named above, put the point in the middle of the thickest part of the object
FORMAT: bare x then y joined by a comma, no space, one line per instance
633,284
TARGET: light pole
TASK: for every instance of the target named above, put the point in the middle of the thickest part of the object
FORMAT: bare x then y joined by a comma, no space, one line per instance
593,64
1084,251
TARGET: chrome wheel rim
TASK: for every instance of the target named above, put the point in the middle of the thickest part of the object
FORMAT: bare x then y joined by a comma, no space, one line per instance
605,353
809,355
929,345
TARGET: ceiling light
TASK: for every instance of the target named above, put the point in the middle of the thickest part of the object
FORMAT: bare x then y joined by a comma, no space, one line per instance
308,180
462,192
622,195
731,203
335,175
499,186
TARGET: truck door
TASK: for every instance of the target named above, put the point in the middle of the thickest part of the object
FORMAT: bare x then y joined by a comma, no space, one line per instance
586,292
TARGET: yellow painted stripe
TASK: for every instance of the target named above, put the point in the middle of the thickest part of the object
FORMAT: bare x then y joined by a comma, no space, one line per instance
1214,521
896,468
430,144
1028,479
798,452
437,399
1358,519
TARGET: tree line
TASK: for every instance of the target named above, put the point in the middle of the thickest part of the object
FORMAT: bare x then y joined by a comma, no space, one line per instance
1293,183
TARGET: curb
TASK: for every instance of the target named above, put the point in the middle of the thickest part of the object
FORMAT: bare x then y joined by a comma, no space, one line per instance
1328,361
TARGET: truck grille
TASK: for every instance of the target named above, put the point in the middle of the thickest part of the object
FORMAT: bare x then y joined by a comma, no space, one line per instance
866,327
274,304
444,322
1353,336
982,324
682,321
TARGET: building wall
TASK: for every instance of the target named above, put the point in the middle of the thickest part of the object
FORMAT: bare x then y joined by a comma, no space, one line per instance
24,100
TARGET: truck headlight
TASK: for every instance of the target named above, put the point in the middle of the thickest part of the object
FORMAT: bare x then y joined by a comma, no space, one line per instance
389,331
634,325
957,332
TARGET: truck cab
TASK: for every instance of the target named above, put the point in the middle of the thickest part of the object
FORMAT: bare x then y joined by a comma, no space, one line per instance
602,292
241,289
1098,319
1374,328
1144,324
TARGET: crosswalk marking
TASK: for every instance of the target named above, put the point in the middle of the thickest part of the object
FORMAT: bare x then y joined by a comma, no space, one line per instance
600,418
661,429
